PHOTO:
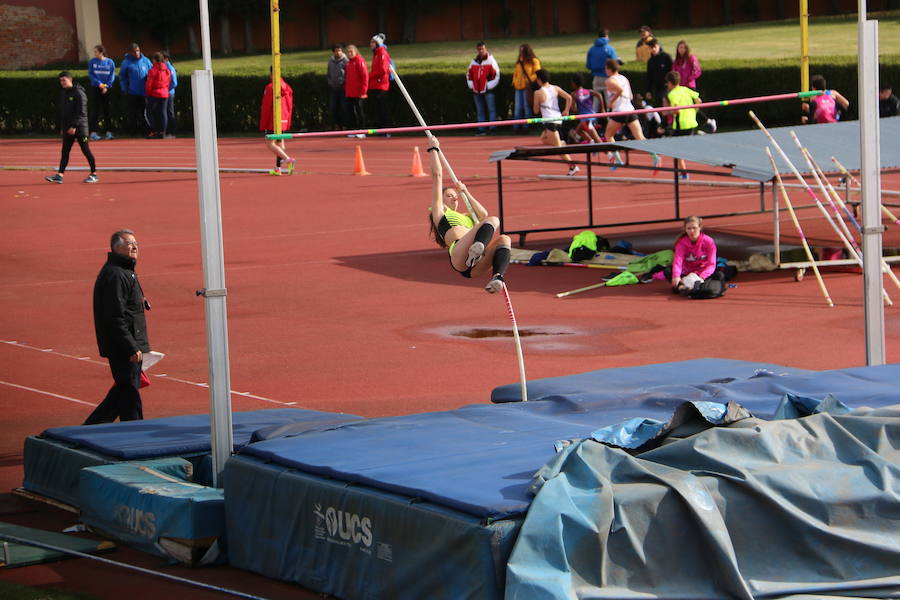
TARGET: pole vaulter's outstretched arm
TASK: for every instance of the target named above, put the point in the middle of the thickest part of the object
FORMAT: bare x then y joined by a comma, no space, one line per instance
430,137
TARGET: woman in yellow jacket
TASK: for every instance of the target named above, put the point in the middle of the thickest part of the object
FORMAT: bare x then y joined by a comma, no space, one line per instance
523,81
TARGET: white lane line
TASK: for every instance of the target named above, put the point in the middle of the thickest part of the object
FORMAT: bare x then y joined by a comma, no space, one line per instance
18,344
37,391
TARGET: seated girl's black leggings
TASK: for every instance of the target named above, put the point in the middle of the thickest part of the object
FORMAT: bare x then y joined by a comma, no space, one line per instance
82,140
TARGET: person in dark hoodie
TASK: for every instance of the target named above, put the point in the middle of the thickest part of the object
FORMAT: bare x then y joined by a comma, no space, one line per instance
121,329
658,67
597,55
335,75
73,124
133,82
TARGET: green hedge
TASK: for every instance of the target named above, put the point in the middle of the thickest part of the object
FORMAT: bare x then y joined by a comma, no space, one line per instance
29,105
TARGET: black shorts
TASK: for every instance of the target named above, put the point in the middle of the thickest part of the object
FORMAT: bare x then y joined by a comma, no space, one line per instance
681,132
551,127
467,273
625,119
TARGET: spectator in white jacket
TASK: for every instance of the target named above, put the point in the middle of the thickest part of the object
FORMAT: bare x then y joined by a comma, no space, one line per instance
483,76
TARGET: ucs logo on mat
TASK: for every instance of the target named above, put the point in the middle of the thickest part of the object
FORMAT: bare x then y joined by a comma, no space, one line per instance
136,521
338,526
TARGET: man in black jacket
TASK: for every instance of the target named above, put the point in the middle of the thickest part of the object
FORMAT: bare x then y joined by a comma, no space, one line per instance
73,123
121,329
658,66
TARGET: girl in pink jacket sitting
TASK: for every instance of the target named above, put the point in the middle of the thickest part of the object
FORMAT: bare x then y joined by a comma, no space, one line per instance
695,256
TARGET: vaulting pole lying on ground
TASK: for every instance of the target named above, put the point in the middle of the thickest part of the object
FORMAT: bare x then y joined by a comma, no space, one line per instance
412,106
545,263
579,290
787,202
850,250
54,548
536,120
855,181
515,328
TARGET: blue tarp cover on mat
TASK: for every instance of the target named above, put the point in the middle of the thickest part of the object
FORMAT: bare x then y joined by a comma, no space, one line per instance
184,434
794,508
480,459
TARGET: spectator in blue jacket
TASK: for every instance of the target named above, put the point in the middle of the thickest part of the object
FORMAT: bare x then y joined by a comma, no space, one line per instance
102,74
170,103
597,55
133,81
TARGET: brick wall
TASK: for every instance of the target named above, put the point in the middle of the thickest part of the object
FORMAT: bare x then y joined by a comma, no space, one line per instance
37,34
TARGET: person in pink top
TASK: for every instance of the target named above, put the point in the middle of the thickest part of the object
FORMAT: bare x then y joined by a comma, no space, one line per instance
825,108
695,257
686,65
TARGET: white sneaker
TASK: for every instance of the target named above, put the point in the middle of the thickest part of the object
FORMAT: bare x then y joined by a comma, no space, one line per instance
494,285
94,137
476,253
360,135
91,179
109,135
712,125
573,169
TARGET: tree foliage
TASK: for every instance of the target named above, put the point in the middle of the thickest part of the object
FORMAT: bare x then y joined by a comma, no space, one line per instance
165,20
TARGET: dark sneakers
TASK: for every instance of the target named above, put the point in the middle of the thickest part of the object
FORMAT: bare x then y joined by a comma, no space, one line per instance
56,178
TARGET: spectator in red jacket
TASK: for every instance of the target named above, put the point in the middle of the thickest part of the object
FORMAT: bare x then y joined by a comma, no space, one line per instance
267,124
483,76
356,84
380,79
158,80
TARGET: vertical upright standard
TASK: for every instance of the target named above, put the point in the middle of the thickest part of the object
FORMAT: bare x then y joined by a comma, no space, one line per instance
213,292
870,177
276,67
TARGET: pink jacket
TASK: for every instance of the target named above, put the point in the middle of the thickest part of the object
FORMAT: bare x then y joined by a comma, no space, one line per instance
694,257
689,70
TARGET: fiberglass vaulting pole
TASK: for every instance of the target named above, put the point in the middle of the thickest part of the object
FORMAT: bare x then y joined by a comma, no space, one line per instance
870,177
213,292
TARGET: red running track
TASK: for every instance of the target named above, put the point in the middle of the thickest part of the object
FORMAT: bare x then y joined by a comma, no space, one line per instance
338,301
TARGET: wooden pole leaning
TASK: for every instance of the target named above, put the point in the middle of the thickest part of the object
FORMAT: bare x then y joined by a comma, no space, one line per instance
809,255
855,181
850,250
834,208
885,268
429,135
831,191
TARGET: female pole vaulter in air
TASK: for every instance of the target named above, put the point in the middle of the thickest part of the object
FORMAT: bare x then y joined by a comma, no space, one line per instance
472,245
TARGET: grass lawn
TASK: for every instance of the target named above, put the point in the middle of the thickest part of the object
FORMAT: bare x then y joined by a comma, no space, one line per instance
760,41
831,40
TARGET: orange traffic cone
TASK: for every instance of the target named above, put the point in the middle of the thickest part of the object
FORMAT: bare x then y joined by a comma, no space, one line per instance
417,170
359,168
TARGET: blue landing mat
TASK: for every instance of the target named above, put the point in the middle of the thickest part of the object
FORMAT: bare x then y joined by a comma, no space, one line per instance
608,384
183,434
53,459
479,459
